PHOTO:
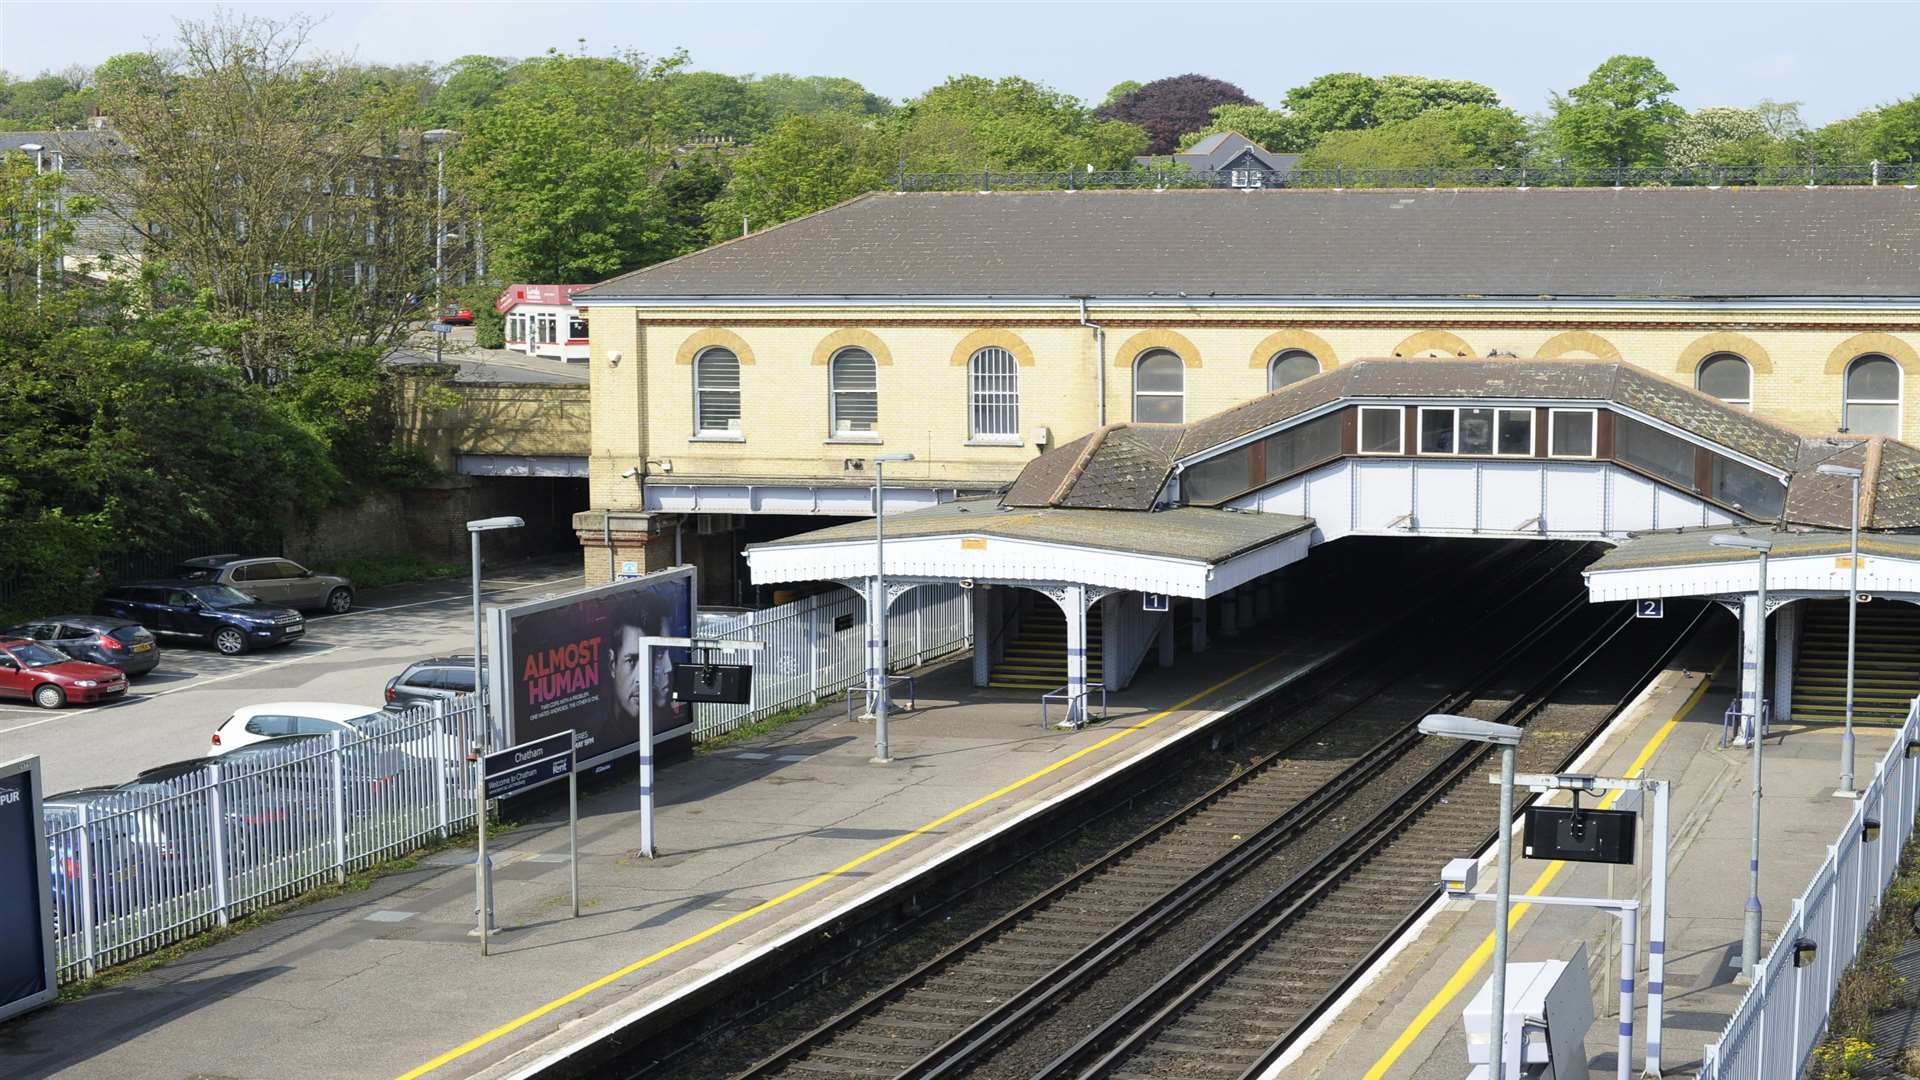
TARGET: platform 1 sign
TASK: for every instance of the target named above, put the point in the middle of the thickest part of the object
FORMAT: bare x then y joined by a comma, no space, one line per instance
1650,609
1154,601
527,766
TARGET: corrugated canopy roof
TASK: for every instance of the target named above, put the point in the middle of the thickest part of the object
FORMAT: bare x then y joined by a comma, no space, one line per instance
1847,242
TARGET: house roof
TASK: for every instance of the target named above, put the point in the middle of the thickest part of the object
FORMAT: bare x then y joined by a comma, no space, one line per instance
1637,243
1125,466
1187,532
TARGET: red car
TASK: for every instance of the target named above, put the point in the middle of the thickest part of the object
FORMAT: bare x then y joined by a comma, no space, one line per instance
51,678
457,316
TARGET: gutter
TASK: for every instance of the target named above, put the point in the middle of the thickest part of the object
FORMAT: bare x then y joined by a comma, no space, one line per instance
1100,344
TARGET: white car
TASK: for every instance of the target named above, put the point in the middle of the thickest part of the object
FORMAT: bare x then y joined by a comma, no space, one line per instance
258,723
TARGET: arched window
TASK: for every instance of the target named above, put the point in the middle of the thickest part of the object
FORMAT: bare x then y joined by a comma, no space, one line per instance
1873,396
1728,377
716,392
1290,366
855,392
1159,387
993,394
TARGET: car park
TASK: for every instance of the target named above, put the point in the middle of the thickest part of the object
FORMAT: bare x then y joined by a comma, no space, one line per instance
117,643
229,620
273,581
50,678
440,678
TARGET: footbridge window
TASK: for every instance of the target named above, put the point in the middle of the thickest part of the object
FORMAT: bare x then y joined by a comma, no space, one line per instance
1291,366
1653,451
993,395
855,392
1747,490
1380,428
1159,388
1728,377
1500,432
1258,464
1573,433
1873,397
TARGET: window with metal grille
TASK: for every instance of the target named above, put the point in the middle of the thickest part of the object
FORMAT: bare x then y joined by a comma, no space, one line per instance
716,392
993,394
1290,366
1728,377
855,392
1159,388
1873,397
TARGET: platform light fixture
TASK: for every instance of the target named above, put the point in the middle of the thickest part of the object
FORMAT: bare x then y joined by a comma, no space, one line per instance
1507,738
877,624
1750,935
1853,613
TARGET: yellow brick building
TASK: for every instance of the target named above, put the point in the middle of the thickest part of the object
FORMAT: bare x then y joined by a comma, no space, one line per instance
751,383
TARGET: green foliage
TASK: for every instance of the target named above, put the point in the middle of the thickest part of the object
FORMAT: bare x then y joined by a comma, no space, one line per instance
1349,101
1275,129
562,167
380,572
1403,97
797,95
1721,136
1459,136
467,87
969,122
1120,90
716,104
806,163
1896,131
1621,116
45,101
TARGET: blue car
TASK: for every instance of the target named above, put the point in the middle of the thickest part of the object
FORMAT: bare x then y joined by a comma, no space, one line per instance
224,617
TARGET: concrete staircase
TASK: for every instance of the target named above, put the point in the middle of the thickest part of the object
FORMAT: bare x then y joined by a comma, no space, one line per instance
1886,668
1036,658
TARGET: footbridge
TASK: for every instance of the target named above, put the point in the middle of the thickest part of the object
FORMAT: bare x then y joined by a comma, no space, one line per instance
1173,526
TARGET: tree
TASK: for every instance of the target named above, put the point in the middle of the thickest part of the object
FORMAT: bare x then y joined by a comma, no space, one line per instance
1403,97
795,95
716,104
1621,116
467,86
562,167
51,99
1169,108
1276,130
1718,135
1350,101
1456,137
35,225
1119,90
806,163
1896,131
969,123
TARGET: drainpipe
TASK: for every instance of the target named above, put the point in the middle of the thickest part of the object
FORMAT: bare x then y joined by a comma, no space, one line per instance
1100,345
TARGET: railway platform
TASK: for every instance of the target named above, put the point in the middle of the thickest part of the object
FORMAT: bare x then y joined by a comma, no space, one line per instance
1404,1022
760,841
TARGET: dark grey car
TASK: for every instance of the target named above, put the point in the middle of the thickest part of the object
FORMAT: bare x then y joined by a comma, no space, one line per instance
282,582
97,639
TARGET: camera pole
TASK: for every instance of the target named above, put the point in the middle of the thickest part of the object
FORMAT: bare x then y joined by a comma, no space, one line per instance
645,745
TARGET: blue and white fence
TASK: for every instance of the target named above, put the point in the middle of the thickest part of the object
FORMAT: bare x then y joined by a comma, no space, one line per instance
1784,1015
816,647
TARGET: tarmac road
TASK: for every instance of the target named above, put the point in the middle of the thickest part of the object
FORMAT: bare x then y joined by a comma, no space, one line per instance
168,714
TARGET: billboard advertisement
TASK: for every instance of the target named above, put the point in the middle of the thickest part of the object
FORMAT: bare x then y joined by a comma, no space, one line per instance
26,893
575,662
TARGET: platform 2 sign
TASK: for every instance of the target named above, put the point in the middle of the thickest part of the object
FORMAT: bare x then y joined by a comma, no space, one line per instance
527,766
27,979
1650,609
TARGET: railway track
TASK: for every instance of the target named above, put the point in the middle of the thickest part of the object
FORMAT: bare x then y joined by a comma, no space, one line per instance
963,1009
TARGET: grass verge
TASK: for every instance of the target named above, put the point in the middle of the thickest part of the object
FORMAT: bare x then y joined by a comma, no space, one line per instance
1873,984
756,728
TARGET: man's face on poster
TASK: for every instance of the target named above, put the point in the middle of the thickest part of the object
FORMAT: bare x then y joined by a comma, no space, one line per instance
629,670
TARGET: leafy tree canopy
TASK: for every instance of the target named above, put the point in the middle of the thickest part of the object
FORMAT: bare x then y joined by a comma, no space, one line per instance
969,122
1622,115
1350,101
806,163
1275,129
1169,108
1456,136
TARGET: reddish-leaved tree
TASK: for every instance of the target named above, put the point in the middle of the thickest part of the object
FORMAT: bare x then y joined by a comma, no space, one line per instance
1169,108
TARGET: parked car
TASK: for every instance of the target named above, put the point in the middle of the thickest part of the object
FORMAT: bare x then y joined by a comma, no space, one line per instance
125,846
281,719
230,620
300,768
456,315
117,643
50,678
441,678
273,581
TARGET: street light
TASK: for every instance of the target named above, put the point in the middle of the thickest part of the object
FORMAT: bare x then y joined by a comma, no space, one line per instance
1750,938
1853,605
483,729
39,163
439,137
878,674
1506,737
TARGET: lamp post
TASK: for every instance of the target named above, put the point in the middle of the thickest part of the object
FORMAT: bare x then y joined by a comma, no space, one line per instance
39,163
483,730
1507,738
438,137
1853,607
1750,937
878,623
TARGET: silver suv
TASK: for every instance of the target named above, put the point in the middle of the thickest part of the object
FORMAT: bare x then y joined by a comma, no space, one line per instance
273,581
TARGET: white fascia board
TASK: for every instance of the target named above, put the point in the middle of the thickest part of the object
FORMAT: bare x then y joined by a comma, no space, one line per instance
1803,573
1888,305
1002,559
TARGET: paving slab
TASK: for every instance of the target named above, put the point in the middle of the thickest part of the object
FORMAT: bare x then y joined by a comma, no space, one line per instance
754,840
1404,1024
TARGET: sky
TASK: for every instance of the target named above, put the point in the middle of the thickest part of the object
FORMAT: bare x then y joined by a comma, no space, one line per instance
1836,58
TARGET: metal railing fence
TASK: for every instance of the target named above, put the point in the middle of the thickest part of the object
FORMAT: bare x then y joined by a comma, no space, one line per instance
1872,173
816,647
1783,1016
147,864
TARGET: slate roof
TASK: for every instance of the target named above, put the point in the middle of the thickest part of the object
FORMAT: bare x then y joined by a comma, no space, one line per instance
1217,151
1187,532
1680,243
1124,466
